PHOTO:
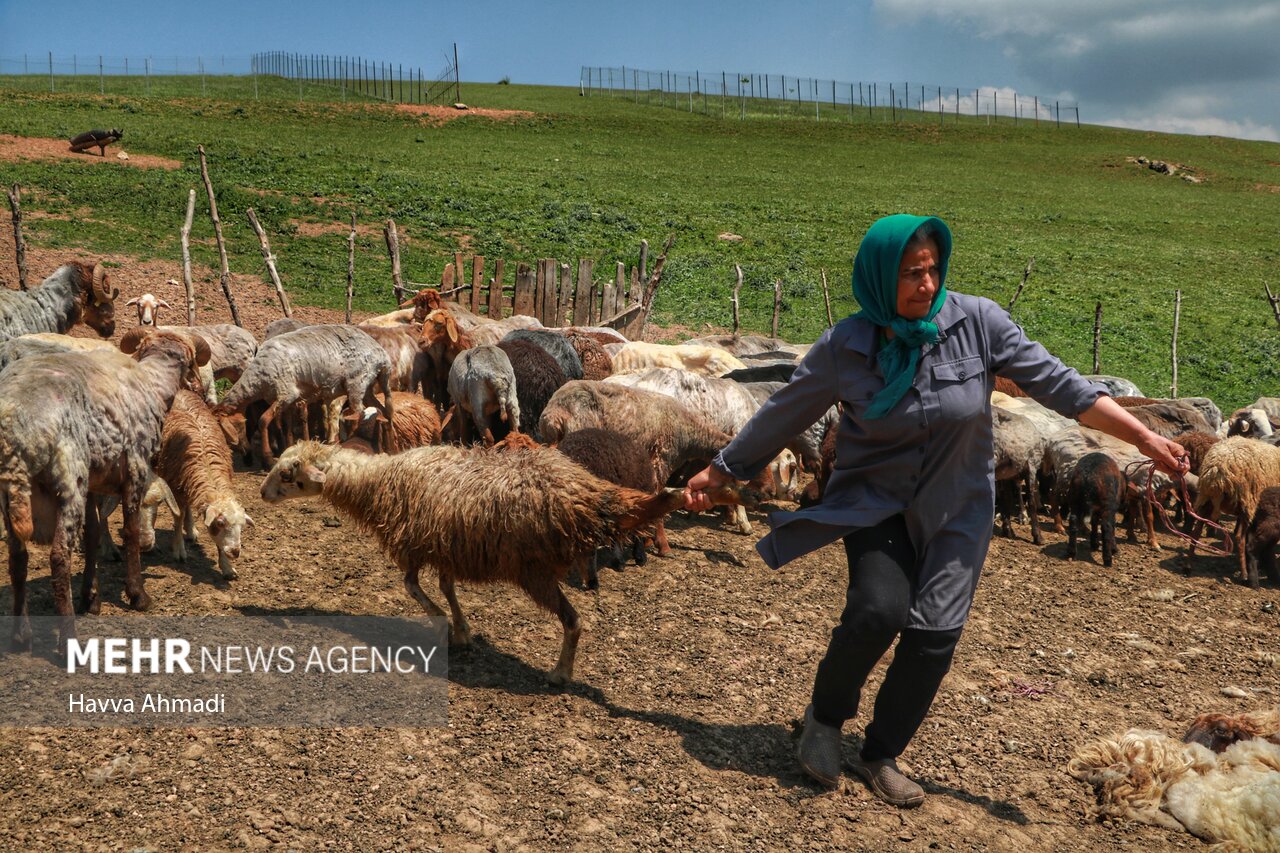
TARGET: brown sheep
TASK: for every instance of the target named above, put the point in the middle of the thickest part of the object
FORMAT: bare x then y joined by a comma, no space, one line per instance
414,423
1264,534
520,517
596,363
441,339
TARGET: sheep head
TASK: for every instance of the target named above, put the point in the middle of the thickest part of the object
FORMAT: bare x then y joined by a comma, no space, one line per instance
226,520
147,306
144,340
1219,731
298,473
97,299
437,326
423,303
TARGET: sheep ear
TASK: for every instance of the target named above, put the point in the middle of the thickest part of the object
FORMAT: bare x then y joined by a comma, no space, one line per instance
213,518
453,330
202,350
248,519
133,301
132,339
408,303
313,473
163,304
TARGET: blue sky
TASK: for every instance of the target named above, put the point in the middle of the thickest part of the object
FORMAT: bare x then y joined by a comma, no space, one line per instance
1190,66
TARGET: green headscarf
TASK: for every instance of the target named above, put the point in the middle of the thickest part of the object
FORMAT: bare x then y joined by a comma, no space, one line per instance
875,286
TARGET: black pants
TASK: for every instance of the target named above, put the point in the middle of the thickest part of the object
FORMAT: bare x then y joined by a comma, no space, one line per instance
882,577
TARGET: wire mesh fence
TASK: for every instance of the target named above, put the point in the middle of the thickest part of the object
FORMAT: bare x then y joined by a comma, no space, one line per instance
271,75
762,96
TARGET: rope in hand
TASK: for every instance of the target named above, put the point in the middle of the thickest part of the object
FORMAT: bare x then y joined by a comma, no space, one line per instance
1132,470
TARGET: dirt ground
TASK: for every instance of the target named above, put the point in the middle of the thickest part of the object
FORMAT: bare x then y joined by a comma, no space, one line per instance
13,148
678,731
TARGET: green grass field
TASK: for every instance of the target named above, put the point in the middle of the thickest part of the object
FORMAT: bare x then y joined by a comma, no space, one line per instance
590,177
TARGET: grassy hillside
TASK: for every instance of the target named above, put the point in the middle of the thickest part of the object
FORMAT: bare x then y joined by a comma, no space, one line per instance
592,176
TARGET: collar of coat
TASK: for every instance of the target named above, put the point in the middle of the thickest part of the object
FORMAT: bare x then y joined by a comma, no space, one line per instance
862,334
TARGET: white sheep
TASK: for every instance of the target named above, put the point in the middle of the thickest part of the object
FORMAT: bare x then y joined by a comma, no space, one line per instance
482,383
148,306
1234,474
639,355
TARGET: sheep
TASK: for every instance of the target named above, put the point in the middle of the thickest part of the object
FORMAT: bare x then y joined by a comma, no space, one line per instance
392,320
1019,453
409,364
1093,495
777,372
600,334
158,494
807,446
312,364
1231,798
1116,386
74,293
670,433
1233,476
1197,444
537,378
1264,534
556,345
1218,731
97,426
148,306
826,464
771,357
596,363
231,348
1252,423
1009,387
415,423
516,516
441,340
740,345
282,326
1169,418
195,462
482,383
622,461
492,333
709,361
43,343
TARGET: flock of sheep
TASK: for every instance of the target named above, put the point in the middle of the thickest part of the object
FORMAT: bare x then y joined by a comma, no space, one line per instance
558,442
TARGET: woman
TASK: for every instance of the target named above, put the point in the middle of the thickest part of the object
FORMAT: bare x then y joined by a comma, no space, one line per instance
912,493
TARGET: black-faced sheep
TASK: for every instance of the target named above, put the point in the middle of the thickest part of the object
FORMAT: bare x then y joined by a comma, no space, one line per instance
96,427
482,384
622,461
538,376
1093,496
195,462
74,293
557,346
519,516
312,364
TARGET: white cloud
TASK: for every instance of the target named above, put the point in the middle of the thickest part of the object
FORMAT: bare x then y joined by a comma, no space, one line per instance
1182,65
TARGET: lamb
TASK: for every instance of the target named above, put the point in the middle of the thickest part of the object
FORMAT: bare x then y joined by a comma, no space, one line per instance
516,516
1233,477
312,364
1019,454
148,306
1264,534
75,293
672,435
537,378
1093,495
482,383
556,345
96,428
1219,731
1147,776
441,340
195,462
622,461
709,361
596,363
415,423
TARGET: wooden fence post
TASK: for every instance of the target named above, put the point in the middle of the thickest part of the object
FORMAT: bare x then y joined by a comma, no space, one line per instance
225,276
563,310
458,279
1031,262
1097,336
651,289
271,262
1177,312
1274,300
392,235
777,305
582,295
19,245
477,282
186,258
522,301
446,279
495,291
826,298
736,288
351,265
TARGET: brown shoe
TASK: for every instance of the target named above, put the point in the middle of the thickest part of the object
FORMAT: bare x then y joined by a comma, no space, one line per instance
887,782
819,751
